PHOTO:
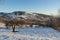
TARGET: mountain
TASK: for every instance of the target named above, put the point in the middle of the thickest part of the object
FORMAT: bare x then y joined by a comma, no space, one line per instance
30,18
23,17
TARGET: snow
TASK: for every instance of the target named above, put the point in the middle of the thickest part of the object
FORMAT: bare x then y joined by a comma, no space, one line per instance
2,25
30,34
41,33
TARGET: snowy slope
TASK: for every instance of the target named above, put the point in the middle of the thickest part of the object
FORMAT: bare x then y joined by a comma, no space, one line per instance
24,15
30,34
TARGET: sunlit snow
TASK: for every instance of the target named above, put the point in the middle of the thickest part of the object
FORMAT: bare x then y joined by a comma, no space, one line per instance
29,34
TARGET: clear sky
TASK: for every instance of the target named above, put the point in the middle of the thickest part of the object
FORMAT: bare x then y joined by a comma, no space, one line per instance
41,6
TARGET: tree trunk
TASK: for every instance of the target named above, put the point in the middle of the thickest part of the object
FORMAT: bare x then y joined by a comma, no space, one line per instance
13,27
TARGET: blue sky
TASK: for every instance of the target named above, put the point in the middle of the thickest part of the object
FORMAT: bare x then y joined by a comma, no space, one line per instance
41,6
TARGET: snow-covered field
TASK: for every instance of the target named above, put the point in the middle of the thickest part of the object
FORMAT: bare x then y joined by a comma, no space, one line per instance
29,34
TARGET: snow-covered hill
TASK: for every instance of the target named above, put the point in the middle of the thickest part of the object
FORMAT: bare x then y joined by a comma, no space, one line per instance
34,18
24,15
40,33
